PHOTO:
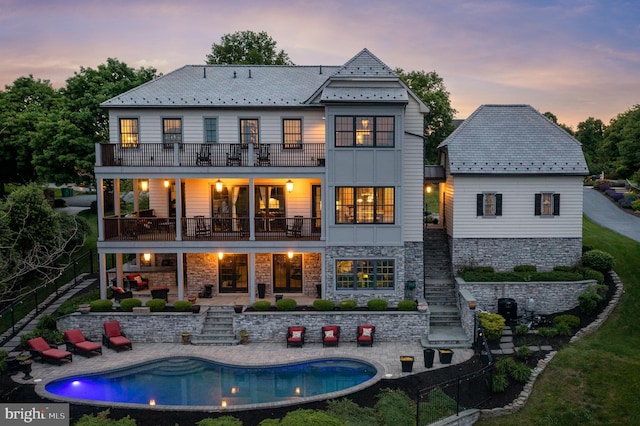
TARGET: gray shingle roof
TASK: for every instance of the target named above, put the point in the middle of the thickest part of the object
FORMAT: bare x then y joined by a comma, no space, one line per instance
365,64
369,94
512,139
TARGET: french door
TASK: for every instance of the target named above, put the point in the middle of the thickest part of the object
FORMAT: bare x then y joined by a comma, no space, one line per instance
233,272
287,273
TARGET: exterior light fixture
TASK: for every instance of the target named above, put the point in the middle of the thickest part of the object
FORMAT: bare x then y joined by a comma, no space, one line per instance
290,255
297,390
219,185
152,402
144,185
220,255
234,390
223,404
166,183
289,185
146,257
429,189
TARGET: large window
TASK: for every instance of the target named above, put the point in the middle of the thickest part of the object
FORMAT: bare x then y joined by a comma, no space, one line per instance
364,131
129,132
249,131
292,133
365,204
375,274
547,204
210,130
489,204
171,131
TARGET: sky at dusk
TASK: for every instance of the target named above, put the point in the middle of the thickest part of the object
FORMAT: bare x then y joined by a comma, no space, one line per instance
574,58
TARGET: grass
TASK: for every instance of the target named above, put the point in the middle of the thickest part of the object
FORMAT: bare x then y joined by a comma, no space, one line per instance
594,381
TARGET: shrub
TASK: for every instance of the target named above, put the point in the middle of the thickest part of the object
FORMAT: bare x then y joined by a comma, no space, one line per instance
51,336
636,205
523,353
377,304
394,407
563,268
269,422
101,305
347,305
309,418
592,274
156,305
323,305
127,305
571,320
286,304
505,365
499,383
525,268
220,421
407,305
481,269
547,332
563,329
521,373
181,306
47,322
588,301
102,419
493,324
71,305
556,276
351,413
522,330
262,305
598,260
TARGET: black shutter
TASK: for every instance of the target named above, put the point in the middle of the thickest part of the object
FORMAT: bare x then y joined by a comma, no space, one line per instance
538,205
498,204
556,204
479,205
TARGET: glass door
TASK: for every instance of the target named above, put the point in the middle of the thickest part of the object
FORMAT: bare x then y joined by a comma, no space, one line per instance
233,273
287,273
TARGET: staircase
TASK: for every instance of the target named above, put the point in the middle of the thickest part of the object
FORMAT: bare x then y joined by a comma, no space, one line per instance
440,294
217,328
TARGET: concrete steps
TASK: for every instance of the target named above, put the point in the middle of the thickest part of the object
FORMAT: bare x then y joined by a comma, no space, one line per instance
217,328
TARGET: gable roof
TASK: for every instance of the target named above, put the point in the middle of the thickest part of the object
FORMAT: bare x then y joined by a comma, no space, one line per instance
365,64
512,139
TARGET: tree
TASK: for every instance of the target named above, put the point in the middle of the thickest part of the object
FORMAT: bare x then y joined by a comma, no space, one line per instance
438,124
590,133
33,239
554,119
249,48
621,147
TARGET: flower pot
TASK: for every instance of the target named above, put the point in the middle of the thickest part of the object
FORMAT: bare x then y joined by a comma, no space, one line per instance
407,363
244,339
237,309
195,309
262,289
25,367
186,338
445,356
429,354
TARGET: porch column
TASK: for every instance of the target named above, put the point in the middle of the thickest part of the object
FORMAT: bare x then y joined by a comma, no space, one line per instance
136,195
252,279
119,269
323,269
103,282
179,212
180,272
100,208
252,210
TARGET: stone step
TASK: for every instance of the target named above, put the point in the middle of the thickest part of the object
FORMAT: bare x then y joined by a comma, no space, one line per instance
206,341
447,337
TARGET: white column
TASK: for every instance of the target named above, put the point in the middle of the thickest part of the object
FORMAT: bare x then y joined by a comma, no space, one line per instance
252,279
180,272
103,282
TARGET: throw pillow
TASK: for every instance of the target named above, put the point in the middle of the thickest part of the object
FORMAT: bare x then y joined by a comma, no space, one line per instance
296,335
117,290
328,334
138,279
367,331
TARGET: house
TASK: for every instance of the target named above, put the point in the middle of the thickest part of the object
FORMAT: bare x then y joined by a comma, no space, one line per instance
513,190
264,180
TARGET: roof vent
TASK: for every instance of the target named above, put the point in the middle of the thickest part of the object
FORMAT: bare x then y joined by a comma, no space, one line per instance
249,73
234,74
204,73
320,69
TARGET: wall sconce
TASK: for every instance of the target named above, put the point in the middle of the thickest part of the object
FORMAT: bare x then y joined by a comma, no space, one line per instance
234,390
297,390
144,185
429,189
219,185
220,255
223,404
289,185
166,183
290,255
146,257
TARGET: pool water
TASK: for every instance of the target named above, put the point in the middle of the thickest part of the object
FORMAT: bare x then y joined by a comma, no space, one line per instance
190,381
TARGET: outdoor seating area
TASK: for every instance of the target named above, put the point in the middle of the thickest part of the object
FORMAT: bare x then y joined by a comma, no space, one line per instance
78,344
330,335
41,350
114,337
295,336
136,282
365,335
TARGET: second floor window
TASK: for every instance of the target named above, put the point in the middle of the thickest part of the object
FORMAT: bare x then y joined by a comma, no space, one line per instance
210,130
292,133
365,131
171,131
365,205
129,132
249,131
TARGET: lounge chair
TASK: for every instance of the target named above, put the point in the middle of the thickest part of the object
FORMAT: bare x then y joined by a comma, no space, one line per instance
136,282
114,338
40,349
78,344
295,336
365,335
119,293
330,335
204,156
234,156
295,230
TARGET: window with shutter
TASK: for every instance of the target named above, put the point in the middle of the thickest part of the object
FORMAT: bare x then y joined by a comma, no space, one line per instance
547,204
489,204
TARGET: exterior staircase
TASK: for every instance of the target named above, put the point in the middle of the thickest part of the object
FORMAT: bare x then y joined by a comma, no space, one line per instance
217,328
440,294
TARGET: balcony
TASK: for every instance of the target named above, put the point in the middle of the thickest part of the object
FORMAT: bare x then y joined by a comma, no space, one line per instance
212,229
211,155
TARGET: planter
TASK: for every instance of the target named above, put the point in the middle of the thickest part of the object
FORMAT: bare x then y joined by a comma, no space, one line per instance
262,289
186,338
84,309
244,337
25,367
445,356
195,309
429,354
238,309
407,363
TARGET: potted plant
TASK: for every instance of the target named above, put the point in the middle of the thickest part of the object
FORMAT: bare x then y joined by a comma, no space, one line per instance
445,356
186,337
237,309
244,337
407,363
84,309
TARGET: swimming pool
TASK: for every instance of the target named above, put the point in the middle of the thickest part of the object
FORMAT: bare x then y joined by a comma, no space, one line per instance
196,382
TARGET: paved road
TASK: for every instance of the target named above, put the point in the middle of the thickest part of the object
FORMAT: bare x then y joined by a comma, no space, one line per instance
599,208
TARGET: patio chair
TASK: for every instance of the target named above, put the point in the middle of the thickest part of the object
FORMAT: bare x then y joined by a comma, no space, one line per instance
295,336
41,350
78,344
119,293
115,338
365,335
295,230
204,156
263,155
233,156
202,227
136,282
330,335
160,293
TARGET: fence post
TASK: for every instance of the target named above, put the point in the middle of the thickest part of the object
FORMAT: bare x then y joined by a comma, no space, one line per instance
458,397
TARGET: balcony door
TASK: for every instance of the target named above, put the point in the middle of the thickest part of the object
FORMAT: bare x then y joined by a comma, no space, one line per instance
234,273
287,273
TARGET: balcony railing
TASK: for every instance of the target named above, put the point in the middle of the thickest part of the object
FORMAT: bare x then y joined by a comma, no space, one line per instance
212,229
212,155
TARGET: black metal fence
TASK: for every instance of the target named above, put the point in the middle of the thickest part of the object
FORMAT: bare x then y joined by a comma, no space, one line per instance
35,300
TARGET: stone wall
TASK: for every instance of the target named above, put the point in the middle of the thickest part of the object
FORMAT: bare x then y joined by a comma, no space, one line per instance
414,265
505,253
202,269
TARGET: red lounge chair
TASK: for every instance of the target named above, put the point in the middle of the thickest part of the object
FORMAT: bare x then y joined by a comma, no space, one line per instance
136,282
365,335
78,344
295,336
113,337
39,348
119,293
330,335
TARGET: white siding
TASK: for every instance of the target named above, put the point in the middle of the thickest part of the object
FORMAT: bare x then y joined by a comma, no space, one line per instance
518,219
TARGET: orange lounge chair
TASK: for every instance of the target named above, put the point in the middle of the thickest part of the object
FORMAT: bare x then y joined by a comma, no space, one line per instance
365,335
40,349
330,335
78,344
114,338
295,336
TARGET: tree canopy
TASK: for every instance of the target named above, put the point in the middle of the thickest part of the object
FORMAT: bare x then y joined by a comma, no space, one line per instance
248,48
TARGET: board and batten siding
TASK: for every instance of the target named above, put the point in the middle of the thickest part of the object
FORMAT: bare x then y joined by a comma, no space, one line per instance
518,219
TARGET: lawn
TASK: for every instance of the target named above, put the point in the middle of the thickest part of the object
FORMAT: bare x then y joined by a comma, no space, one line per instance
594,381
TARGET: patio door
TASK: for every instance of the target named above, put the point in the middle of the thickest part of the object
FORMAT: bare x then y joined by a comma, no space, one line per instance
233,272
287,273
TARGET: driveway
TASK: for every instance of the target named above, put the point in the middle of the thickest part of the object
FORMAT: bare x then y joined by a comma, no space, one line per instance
76,204
601,210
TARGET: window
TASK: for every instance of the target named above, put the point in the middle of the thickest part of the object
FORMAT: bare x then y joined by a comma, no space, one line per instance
171,131
292,132
365,205
365,274
547,204
489,204
365,131
129,132
210,130
249,131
